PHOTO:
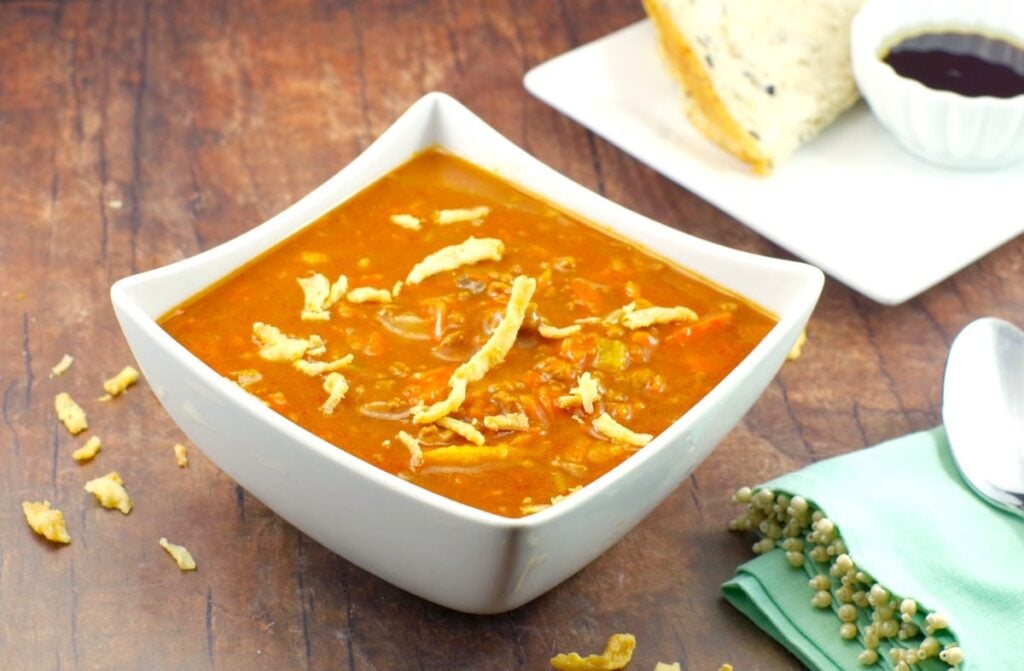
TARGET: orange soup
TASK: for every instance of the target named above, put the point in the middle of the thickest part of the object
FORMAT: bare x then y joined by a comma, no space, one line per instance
451,329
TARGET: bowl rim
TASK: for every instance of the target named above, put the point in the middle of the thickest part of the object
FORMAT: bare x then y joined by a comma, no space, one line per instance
875,27
276,229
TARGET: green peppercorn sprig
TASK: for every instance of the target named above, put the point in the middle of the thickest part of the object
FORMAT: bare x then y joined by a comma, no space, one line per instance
867,611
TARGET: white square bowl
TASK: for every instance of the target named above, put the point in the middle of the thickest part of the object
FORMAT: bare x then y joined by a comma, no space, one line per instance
441,550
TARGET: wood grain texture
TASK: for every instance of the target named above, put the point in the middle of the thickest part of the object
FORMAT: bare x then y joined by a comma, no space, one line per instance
137,132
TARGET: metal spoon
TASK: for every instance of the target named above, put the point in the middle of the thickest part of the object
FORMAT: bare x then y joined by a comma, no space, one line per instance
983,410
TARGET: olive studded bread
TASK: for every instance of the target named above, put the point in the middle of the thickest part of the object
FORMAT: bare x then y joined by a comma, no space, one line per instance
761,77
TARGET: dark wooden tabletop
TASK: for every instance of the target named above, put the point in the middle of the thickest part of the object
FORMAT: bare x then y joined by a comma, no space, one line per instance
139,132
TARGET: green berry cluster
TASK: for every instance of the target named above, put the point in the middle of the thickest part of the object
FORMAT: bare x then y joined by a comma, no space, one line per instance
866,610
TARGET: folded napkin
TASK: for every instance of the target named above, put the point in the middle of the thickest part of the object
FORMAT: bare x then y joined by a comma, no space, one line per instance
908,520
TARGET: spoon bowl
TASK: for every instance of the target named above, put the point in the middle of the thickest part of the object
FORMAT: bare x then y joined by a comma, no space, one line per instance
983,410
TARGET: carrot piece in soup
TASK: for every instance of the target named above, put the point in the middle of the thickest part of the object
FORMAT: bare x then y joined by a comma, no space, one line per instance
579,348
707,326
589,294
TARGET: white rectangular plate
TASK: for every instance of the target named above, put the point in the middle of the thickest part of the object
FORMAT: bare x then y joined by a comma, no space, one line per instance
852,201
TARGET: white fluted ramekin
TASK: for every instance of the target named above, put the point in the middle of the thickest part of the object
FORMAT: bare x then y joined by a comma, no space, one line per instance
442,550
940,126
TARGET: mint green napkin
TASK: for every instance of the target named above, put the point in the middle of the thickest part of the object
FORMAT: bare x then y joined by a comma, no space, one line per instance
908,519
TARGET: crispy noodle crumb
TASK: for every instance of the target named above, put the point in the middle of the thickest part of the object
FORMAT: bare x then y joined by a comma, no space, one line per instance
611,429
616,315
368,295
46,521
336,387
314,368
319,295
471,251
317,346
316,289
491,354
636,319
556,333
110,492
70,413
120,382
182,557
338,290
415,451
674,666
798,347
464,429
247,377
454,401
456,216
88,451
181,455
397,289
616,655
62,365
528,507
586,392
406,221
510,421
276,346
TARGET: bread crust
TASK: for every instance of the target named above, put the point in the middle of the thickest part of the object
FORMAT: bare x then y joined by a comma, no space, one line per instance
706,110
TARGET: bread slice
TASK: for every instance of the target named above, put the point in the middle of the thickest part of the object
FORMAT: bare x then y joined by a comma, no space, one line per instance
761,76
